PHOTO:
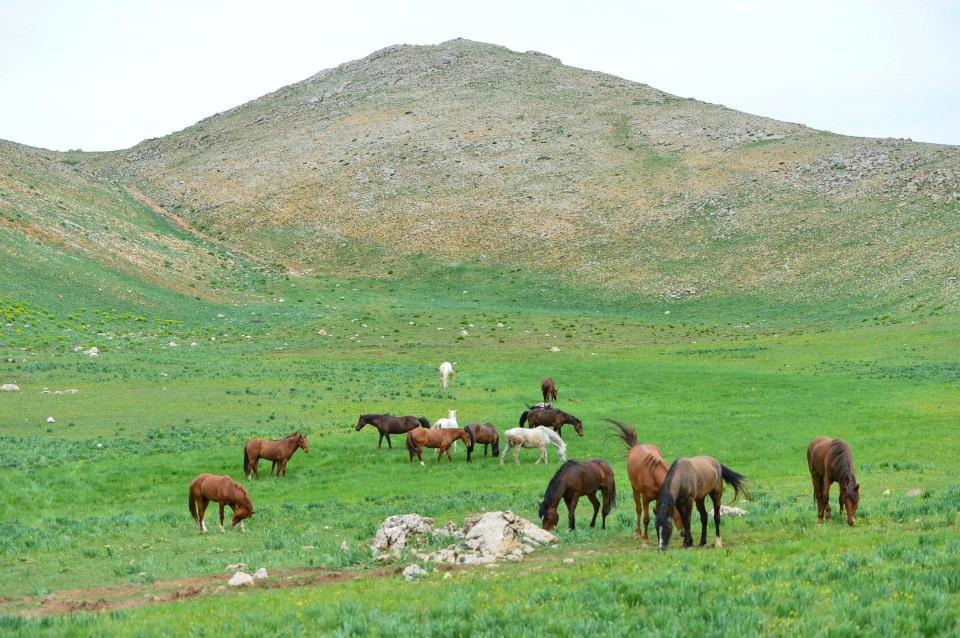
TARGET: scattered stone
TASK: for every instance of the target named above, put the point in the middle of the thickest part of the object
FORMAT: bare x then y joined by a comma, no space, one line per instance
50,419
71,391
886,492
414,572
567,561
914,493
726,510
240,579
464,333
92,352
554,349
260,574
9,387
322,332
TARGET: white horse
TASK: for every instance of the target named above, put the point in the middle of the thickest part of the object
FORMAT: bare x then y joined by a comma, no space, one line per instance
446,373
538,437
449,423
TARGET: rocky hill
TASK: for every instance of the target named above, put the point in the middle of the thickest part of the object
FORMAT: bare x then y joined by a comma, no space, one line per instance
471,153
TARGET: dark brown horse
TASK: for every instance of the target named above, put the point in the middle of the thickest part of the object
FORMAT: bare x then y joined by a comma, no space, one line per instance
646,470
831,461
690,481
388,424
277,451
551,418
573,480
549,390
484,433
225,491
442,439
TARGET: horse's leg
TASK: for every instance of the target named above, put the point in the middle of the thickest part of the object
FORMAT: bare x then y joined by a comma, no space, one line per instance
448,452
420,454
607,506
254,465
702,509
221,504
571,502
283,468
503,454
825,499
643,510
715,497
389,444
817,489
686,509
201,510
516,454
596,510
485,446
380,442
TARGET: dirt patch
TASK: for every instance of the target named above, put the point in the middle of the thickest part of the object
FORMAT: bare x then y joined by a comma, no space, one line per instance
104,599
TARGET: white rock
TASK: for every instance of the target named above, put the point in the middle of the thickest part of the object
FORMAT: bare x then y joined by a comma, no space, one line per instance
914,493
50,419
395,530
240,579
567,561
464,333
71,391
414,572
554,349
9,387
322,332
260,574
886,492
92,352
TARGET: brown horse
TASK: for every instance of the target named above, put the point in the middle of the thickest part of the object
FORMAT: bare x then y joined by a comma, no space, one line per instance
442,439
831,461
551,418
388,424
549,390
277,451
573,480
646,470
484,433
690,481
225,491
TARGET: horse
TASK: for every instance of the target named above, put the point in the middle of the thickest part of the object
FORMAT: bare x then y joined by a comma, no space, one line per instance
225,491
449,423
484,433
689,481
446,373
538,437
277,451
549,390
573,480
552,418
646,470
831,461
419,438
388,424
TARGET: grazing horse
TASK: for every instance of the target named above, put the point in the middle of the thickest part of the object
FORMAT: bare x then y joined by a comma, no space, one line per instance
225,491
484,433
552,418
277,451
419,438
646,470
446,373
573,480
449,423
689,481
388,424
549,390
538,437
831,461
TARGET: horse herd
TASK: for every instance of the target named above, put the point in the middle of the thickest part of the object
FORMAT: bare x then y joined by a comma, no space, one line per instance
676,488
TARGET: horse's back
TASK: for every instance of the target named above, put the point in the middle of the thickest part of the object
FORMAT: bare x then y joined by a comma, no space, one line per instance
817,453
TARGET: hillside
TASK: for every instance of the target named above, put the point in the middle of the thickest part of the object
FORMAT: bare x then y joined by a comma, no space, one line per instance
471,153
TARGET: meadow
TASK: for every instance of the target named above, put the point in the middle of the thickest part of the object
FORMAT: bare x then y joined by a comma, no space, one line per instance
94,521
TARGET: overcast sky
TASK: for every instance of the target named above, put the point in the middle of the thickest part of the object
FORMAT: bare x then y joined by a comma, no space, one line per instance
104,75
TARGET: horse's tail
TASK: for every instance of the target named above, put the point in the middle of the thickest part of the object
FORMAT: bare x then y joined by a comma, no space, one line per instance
496,443
737,481
191,502
246,461
424,422
473,439
523,418
613,493
626,433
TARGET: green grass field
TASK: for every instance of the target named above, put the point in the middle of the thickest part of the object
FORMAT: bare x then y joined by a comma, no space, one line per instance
93,517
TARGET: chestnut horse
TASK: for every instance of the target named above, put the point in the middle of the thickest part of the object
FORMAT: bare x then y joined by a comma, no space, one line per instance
225,491
831,461
551,418
549,390
388,424
690,481
646,470
419,438
277,451
484,433
573,480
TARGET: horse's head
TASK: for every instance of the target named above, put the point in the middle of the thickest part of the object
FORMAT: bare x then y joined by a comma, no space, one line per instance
548,516
664,530
452,415
362,421
562,451
850,500
243,506
302,444
578,426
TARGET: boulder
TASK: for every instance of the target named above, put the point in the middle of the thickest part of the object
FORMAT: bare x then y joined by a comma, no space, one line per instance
240,579
50,419
260,574
414,572
395,531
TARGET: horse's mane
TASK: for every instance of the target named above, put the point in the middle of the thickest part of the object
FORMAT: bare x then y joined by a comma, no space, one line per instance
842,461
665,501
554,487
